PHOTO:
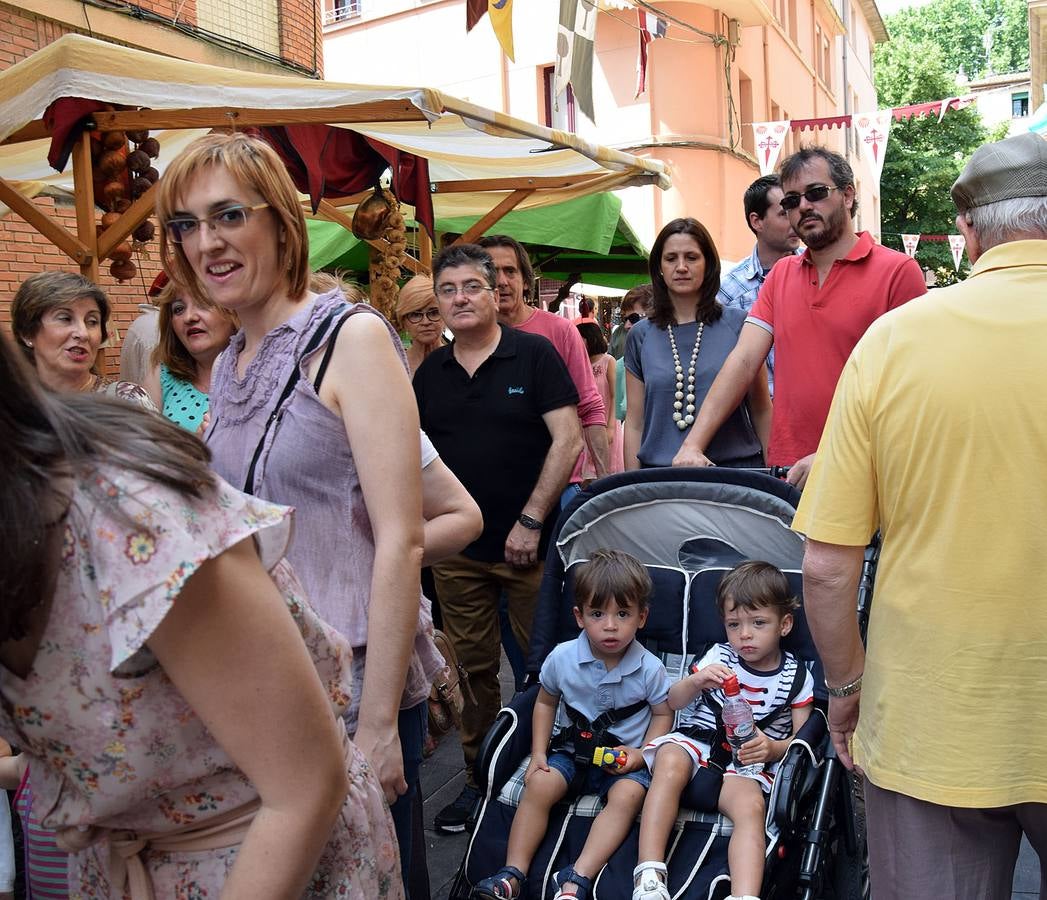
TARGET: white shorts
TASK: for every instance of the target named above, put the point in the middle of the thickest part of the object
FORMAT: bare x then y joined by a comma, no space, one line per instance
699,753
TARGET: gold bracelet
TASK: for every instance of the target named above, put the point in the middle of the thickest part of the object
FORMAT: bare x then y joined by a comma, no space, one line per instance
845,690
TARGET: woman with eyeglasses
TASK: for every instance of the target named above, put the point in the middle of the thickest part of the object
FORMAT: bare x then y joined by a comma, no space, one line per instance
311,406
673,356
416,313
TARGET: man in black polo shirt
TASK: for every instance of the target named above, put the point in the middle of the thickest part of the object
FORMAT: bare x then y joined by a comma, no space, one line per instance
501,409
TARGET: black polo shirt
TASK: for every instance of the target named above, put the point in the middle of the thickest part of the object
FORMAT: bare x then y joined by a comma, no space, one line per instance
489,428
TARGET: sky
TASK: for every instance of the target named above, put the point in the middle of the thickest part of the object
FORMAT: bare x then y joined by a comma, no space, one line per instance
887,7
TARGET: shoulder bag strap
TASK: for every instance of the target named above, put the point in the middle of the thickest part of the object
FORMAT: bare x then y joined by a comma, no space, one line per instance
274,417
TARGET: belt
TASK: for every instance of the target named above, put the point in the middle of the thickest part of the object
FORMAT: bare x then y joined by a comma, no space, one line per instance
128,875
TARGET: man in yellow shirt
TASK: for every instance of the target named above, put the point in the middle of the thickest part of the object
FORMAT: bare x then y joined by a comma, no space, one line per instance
937,436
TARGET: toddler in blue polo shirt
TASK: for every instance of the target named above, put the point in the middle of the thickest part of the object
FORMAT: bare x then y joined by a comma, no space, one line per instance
601,682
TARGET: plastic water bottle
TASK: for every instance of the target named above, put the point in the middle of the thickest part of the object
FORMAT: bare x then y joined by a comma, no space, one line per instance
739,724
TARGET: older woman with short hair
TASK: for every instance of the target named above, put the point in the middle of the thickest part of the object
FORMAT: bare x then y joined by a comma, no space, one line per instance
60,321
417,313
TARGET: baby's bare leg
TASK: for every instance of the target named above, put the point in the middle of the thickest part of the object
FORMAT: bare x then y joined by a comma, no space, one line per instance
543,790
741,800
672,772
610,827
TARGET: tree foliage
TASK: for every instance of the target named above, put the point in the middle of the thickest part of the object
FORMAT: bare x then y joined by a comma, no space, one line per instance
976,37
924,156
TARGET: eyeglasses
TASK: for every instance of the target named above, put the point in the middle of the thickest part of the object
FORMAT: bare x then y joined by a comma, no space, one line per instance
812,195
186,228
633,318
431,314
471,289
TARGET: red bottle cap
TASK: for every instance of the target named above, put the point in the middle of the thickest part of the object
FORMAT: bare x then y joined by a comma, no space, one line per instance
730,686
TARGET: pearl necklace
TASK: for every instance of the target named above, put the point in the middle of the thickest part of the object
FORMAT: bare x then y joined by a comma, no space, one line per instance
683,415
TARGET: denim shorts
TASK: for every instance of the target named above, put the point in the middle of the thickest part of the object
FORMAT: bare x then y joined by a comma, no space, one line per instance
597,780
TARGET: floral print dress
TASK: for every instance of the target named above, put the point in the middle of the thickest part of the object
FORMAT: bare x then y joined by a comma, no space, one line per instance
113,744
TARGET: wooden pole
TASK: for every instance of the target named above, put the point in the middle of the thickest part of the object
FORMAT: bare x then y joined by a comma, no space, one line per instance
425,250
83,187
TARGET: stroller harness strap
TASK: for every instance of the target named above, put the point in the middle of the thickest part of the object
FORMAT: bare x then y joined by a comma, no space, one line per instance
585,736
719,749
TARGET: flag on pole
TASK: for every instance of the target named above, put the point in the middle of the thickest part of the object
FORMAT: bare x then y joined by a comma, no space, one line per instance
769,139
575,37
651,27
873,129
501,13
475,10
910,242
957,245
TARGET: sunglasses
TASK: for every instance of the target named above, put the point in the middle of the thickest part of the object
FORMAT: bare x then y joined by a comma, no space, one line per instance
432,314
633,318
811,195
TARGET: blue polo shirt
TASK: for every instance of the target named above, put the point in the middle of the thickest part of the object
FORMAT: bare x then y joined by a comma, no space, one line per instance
578,678
489,430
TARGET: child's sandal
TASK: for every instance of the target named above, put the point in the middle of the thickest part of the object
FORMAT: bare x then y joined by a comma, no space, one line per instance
583,885
499,887
650,879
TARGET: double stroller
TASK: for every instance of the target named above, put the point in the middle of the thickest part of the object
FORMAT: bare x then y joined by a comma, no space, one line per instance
688,527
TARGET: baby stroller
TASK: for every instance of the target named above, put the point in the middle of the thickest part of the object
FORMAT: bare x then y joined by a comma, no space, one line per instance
688,527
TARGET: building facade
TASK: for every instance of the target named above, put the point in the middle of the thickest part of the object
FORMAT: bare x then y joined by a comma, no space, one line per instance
718,69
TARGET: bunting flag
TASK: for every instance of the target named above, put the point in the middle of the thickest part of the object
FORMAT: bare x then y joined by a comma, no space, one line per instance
575,38
475,10
501,14
910,242
651,28
936,108
769,139
957,245
873,129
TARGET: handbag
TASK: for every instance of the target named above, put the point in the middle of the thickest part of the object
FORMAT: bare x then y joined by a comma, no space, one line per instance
447,695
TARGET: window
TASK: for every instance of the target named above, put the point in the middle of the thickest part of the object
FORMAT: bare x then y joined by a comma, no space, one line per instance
793,28
1019,104
745,111
564,117
340,10
827,65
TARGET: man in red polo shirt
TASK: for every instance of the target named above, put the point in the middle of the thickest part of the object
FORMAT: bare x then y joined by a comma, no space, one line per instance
813,308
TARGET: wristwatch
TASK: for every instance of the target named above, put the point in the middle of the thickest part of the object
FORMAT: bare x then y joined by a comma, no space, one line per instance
845,690
530,522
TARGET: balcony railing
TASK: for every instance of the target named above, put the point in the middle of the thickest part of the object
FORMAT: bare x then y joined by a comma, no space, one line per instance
342,10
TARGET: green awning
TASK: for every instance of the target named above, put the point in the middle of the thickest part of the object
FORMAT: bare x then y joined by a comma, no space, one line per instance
587,235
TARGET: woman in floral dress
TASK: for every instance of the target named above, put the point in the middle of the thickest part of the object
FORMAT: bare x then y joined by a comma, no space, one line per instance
183,737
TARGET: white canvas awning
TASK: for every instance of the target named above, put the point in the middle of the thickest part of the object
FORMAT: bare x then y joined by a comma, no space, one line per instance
481,162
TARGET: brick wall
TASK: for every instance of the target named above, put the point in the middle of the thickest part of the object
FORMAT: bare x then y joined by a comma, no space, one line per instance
301,34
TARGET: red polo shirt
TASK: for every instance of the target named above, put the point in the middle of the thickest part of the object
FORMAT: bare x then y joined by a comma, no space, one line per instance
815,328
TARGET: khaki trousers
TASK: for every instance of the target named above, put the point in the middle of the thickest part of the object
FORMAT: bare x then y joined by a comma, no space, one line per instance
469,592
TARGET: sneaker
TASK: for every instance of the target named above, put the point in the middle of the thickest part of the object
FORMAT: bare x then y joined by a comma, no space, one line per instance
453,818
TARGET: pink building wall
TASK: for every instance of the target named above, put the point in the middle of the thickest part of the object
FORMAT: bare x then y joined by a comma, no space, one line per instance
788,63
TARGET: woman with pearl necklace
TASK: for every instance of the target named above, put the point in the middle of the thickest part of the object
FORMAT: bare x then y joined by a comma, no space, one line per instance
672,358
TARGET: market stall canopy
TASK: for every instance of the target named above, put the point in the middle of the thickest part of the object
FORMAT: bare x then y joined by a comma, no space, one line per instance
481,163
587,235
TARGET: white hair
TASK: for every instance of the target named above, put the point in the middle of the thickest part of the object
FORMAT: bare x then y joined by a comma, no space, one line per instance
1023,218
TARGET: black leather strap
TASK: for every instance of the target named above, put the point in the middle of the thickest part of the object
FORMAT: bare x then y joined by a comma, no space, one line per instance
296,371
